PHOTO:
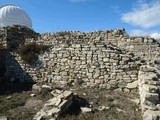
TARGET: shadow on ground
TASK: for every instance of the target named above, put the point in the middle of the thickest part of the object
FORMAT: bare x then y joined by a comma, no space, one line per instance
7,87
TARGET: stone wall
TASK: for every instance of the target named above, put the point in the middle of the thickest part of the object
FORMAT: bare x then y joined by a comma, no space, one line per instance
83,58
145,47
2,37
96,57
13,37
2,64
15,70
104,59
149,88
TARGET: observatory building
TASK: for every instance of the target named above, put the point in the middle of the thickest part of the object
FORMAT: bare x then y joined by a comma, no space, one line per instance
13,15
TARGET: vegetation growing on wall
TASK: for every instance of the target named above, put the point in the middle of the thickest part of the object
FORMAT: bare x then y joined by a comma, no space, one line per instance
29,52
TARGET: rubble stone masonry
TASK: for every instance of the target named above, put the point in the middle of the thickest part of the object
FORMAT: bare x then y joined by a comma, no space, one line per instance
105,59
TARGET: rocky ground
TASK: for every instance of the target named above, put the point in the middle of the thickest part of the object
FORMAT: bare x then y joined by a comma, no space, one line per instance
93,103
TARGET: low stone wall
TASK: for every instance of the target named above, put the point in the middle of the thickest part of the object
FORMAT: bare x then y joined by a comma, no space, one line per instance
13,37
149,88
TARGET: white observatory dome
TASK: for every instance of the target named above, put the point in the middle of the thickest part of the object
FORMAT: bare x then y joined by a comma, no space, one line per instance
13,15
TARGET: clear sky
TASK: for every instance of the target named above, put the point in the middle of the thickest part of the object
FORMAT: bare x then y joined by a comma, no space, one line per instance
138,17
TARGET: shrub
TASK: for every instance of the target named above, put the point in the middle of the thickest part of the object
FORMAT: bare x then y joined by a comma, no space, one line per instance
29,52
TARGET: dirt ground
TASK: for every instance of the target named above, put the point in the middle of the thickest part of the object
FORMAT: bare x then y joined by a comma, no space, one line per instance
120,106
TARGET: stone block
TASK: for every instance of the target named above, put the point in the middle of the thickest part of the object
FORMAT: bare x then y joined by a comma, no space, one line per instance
152,97
147,69
132,85
46,87
67,94
58,101
53,112
150,88
151,115
86,109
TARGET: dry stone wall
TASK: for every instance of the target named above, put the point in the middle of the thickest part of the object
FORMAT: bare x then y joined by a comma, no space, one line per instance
104,59
2,37
146,48
80,58
13,37
15,69
92,64
149,88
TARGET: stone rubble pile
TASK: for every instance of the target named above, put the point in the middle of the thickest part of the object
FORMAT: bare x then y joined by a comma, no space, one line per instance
59,105
149,88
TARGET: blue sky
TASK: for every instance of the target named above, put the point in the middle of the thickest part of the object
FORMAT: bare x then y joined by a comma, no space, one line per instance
138,17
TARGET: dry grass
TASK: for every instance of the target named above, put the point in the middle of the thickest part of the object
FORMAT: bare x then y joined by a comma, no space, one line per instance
16,100
21,106
119,103
121,107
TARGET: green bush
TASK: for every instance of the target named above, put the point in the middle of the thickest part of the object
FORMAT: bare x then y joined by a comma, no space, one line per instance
29,52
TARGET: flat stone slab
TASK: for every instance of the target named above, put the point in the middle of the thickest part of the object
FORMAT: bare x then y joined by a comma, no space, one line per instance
53,111
151,115
67,94
86,109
